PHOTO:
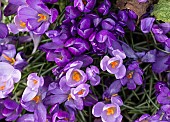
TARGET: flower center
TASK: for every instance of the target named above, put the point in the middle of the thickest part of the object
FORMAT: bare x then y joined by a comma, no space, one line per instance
69,97
37,98
35,82
129,75
84,2
81,92
42,17
2,87
22,24
111,110
114,64
11,60
76,76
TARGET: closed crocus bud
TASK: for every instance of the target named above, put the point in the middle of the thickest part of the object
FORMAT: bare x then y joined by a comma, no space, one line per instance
104,7
84,5
108,24
84,27
8,76
77,46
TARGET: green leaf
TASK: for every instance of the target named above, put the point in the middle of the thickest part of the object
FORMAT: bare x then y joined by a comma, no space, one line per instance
162,11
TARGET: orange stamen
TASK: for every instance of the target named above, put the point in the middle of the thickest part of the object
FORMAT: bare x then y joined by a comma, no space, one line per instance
76,76
42,17
37,98
114,64
84,2
114,95
111,110
22,24
69,97
11,60
35,82
81,92
2,87
129,75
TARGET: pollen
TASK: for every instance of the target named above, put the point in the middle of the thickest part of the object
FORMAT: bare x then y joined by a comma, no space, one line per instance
84,2
81,92
76,76
2,87
35,82
114,95
42,17
22,24
11,60
69,97
114,64
111,110
37,99
129,75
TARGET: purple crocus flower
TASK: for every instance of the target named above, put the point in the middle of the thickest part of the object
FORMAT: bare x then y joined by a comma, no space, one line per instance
75,77
32,98
104,7
146,24
92,75
77,46
9,76
108,24
84,27
163,97
111,94
11,110
142,1
84,5
107,112
37,16
160,32
148,118
114,65
159,85
133,76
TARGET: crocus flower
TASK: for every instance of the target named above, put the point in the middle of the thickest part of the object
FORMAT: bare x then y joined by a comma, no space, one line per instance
163,97
36,16
11,110
114,65
92,75
148,118
32,98
107,112
146,24
77,46
84,27
108,24
9,76
111,94
75,77
84,5
104,7
133,76
142,1
160,32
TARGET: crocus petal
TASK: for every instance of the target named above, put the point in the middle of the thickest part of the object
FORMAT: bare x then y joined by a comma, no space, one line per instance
137,78
103,63
121,73
3,30
97,109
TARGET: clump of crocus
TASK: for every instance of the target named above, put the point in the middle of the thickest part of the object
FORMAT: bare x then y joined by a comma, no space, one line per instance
114,65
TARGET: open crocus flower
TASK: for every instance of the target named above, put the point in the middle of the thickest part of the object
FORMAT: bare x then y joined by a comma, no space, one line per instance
75,77
163,97
107,112
114,65
36,16
133,76
84,5
8,76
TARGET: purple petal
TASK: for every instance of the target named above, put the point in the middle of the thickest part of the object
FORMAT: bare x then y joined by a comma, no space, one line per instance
97,109
146,24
